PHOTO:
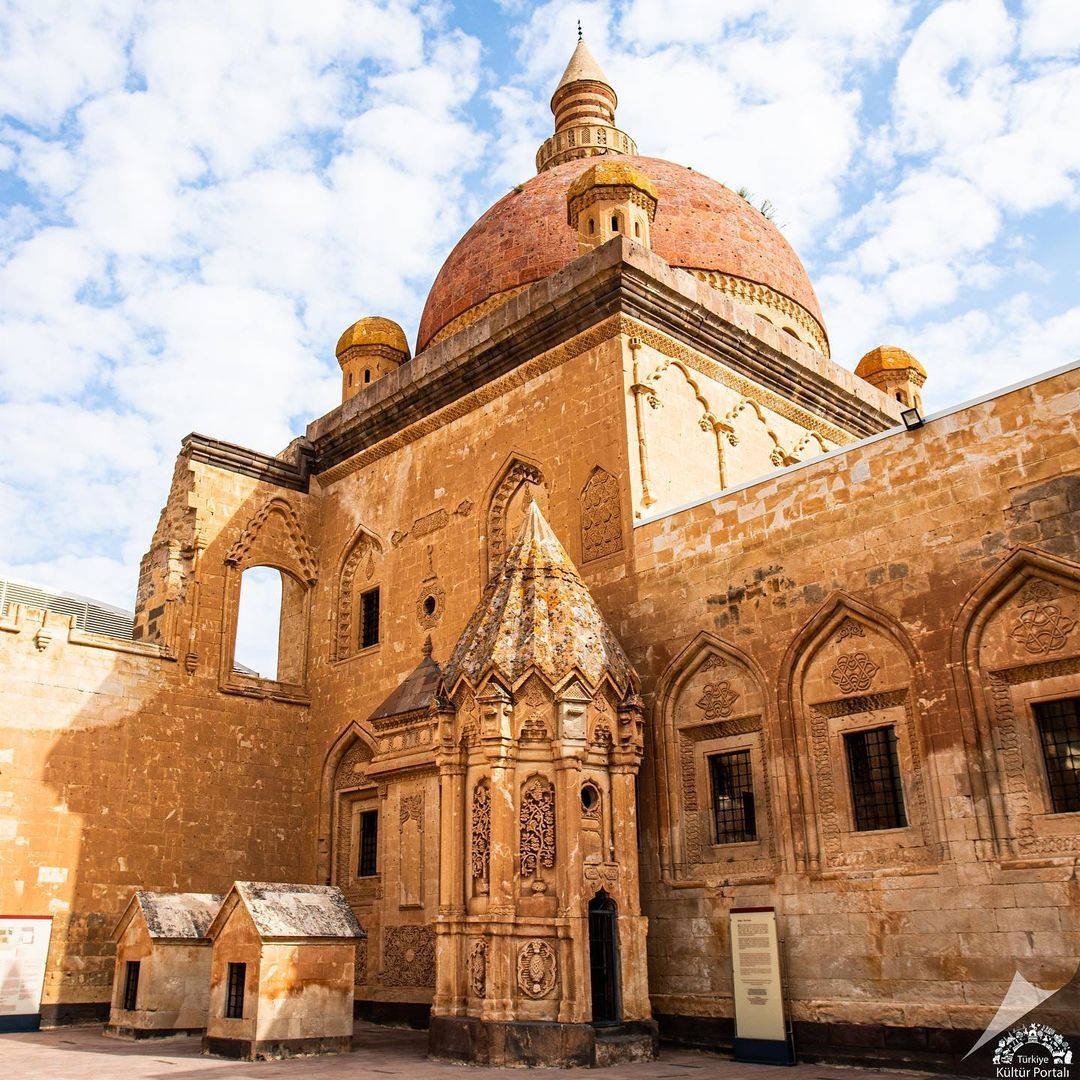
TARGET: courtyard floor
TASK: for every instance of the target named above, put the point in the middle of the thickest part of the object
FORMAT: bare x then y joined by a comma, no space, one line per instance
83,1053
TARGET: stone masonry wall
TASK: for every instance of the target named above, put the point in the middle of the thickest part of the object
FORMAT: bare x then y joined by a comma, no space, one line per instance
893,583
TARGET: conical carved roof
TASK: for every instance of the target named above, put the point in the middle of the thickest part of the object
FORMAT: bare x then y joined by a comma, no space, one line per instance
538,612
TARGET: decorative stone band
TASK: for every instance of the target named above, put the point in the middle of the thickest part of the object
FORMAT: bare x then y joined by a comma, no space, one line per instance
583,141
614,192
611,327
385,352
757,295
466,318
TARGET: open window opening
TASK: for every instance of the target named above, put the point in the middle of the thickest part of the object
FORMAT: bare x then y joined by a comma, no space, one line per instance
270,626
369,618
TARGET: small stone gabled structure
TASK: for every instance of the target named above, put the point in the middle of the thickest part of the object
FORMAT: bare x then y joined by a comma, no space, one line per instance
541,940
282,972
162,975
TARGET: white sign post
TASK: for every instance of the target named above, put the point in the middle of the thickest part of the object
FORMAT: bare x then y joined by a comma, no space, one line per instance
761,1031
24,949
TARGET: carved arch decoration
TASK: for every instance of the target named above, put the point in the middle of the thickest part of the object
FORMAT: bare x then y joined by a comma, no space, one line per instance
519,475
778,456
357,565
344,781
853,668
711,699
1016,642
601,516
275,537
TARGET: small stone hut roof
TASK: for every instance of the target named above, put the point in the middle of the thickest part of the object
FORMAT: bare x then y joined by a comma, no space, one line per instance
172,916
282,910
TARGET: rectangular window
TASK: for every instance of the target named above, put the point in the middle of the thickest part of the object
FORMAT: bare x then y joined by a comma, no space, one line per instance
234,997
874,769
367,863
732,780
369,618
131,984
1059,733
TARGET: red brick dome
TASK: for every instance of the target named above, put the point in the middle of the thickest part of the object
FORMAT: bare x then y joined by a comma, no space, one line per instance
700,225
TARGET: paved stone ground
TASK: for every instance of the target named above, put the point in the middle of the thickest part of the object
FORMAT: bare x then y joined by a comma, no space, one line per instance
83,1053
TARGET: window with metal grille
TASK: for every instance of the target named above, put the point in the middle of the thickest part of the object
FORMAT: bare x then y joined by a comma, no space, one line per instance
369,618
732,780
131,984
877,795
1059,733
367,862
234,997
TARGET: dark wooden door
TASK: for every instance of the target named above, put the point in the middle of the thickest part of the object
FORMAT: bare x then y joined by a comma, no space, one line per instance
604,959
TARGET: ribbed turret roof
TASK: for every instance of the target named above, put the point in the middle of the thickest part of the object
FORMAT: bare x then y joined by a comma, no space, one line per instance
538,613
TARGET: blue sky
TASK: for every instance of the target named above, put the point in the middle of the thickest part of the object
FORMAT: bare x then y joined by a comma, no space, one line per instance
196,199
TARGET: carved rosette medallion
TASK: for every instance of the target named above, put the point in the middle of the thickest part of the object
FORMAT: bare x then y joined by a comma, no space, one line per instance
718,700
1042,628
854,672
537,820
478,969
537,969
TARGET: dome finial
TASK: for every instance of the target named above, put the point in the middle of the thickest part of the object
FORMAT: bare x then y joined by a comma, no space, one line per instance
584,105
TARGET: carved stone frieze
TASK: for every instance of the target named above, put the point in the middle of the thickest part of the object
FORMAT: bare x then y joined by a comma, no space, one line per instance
480,847
408,956
601,516
537,821
478,969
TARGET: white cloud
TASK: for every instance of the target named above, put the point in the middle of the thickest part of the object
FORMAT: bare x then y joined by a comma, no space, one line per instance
1051,28
219,191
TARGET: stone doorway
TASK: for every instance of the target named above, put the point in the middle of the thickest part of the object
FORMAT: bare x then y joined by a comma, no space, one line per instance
604,959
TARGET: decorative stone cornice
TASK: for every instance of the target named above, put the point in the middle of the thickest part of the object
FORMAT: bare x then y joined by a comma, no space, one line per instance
517,350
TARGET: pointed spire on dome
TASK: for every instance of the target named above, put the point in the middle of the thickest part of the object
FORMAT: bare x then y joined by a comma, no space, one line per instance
537,612
584,105
583,68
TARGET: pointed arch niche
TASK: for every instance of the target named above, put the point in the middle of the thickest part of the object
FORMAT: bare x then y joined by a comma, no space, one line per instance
851,676
711,704
358,573
348,793
1016,647
273,538
520,479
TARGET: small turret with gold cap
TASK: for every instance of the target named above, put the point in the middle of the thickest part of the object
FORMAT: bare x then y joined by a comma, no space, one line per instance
371,348
584,105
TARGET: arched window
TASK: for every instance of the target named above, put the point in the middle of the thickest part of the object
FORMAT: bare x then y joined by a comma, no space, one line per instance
269,625
637,229
614,222
367,375
592,226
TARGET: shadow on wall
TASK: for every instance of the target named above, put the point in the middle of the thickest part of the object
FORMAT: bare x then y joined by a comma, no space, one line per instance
178,776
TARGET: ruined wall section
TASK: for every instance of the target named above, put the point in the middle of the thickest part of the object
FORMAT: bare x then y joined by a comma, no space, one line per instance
129,765
926,581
